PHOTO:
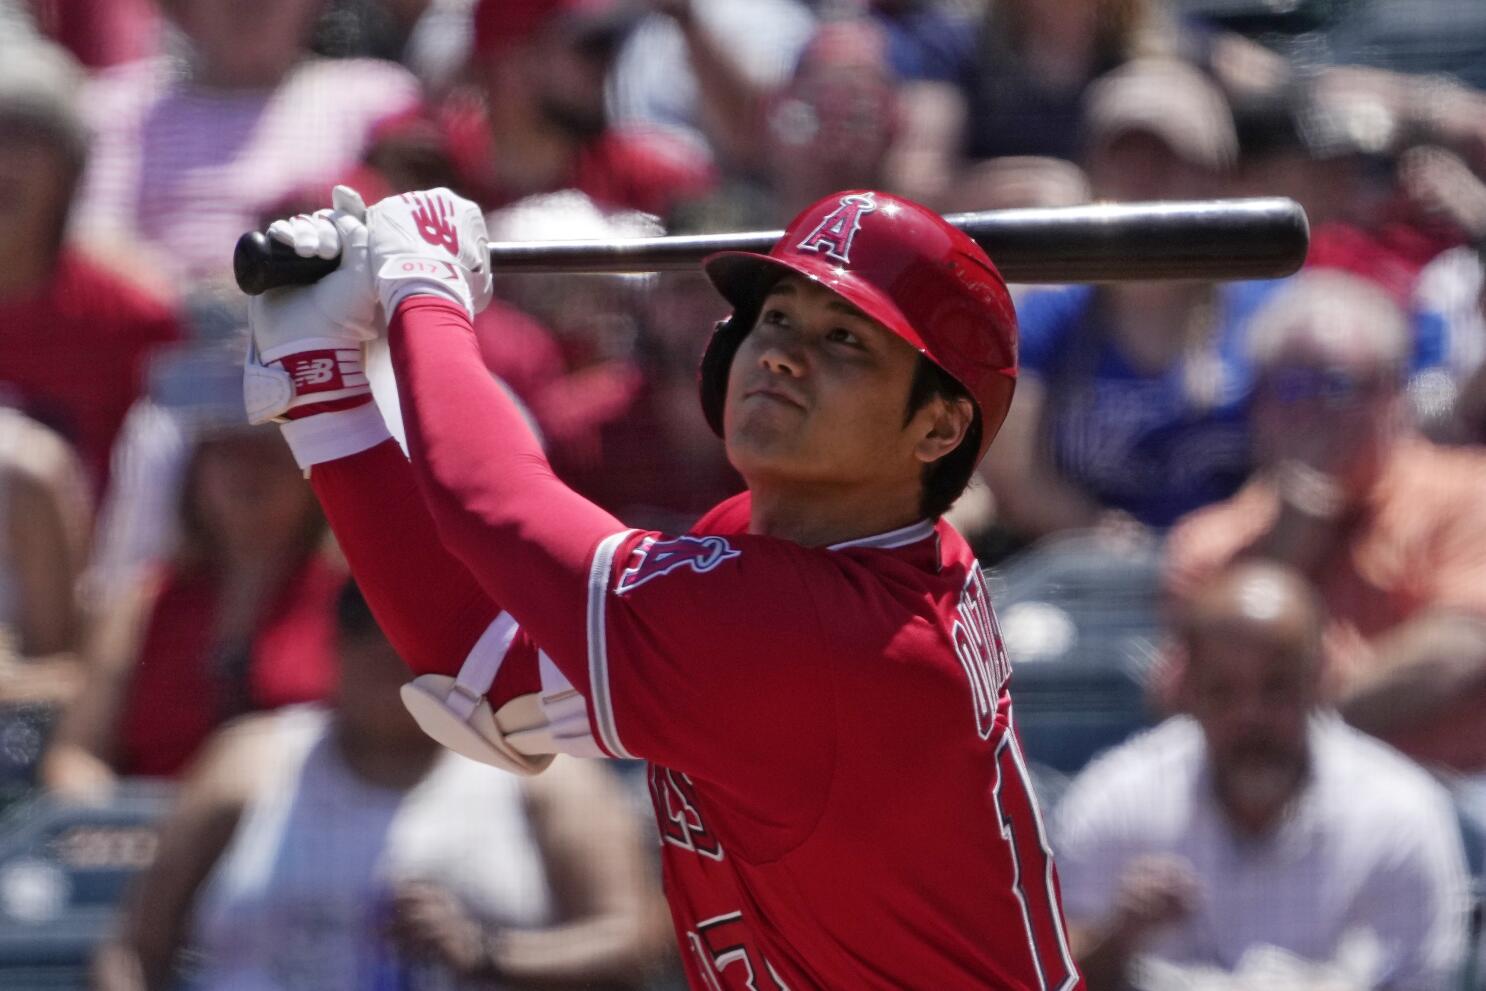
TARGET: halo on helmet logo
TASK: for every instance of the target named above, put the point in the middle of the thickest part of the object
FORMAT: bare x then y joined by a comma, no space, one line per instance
836,231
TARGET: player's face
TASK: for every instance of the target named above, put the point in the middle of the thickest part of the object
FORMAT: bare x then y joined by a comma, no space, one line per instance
817,395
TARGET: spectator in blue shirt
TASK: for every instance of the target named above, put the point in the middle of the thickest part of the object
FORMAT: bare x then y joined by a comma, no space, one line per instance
1133,403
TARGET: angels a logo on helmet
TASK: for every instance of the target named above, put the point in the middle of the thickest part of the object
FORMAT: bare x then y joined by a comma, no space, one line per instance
654,558
838,229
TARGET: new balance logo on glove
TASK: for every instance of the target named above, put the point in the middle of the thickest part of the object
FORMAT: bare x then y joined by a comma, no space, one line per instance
324,371
306,383
315,372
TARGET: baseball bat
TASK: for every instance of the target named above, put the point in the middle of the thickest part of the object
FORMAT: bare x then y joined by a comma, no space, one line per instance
1107,242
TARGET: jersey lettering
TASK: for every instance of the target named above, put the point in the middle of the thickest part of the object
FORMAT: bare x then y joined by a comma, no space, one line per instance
680,818
836,232
432,216
655,558
721,944
1034,880
981,650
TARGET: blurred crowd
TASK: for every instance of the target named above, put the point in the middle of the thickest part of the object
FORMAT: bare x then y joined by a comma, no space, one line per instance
1300,801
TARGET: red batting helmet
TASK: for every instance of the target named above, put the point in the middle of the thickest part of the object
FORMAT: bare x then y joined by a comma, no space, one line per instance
900,264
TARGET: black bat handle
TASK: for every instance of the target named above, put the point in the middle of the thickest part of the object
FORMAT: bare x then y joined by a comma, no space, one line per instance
259,263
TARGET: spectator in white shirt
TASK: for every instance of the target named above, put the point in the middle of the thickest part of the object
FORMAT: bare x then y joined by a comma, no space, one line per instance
1260,830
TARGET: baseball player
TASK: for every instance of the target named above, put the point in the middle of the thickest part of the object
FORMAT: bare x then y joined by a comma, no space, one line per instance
814,672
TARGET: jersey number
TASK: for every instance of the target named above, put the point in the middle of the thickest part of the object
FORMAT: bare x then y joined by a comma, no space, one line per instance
1033,880
722,942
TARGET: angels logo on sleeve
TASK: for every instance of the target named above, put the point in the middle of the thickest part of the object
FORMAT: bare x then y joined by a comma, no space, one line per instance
654,558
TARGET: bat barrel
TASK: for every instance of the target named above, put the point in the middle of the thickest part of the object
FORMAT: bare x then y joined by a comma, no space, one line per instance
1211,239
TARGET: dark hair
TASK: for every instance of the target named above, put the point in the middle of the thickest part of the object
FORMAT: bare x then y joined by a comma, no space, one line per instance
353,617
946,478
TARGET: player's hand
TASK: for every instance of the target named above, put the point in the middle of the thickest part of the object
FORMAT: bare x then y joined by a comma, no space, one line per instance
429,242
306,355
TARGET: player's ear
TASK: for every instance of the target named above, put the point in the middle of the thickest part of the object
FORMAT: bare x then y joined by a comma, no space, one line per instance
944,422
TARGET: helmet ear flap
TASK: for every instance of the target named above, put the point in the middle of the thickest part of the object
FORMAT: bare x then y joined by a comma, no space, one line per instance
717,361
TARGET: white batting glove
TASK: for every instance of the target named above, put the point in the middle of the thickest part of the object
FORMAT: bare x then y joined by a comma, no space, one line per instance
306,364
429,242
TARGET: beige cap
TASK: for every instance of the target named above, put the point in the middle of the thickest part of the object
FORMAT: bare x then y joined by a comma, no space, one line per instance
39,85
1169,99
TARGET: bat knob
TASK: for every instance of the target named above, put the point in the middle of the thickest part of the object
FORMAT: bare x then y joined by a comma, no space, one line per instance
259,263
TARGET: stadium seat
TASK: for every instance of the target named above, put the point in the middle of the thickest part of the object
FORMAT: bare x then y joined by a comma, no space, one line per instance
1079,615
63,869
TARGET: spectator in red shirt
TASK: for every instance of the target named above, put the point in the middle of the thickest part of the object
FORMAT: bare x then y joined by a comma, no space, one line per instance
239,618
73,336
539,124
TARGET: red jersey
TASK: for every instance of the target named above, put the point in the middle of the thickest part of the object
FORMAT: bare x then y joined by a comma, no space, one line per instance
840,795
836,780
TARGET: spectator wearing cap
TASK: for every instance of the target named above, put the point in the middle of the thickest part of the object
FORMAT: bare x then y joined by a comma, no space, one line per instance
1259,841
1389,195
538,123
189,150
234,617
1389,527
74,336
1133,399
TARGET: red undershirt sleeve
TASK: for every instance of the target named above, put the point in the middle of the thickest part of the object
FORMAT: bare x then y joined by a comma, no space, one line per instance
524,536
428,605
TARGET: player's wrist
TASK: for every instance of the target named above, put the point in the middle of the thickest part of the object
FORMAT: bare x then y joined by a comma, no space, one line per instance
329,406
332,434
404,276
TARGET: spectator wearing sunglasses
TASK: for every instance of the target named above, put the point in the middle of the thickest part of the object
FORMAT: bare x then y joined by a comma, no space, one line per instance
1389,527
